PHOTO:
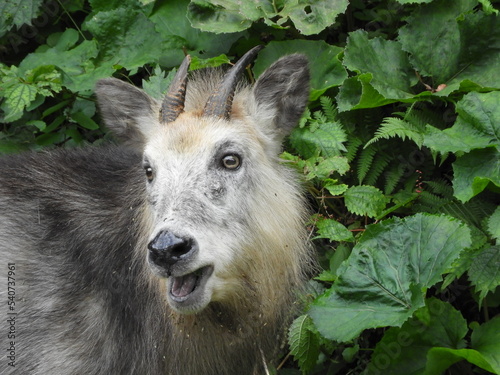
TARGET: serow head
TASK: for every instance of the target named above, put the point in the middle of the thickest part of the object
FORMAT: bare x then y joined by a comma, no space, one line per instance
218,202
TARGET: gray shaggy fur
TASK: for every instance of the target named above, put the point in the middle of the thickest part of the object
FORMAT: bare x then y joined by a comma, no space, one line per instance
76,224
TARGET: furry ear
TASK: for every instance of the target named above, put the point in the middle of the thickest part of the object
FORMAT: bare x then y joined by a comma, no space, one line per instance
128,112
282,92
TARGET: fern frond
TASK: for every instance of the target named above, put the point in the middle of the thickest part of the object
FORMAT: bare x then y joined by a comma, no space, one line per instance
365,162
432,203
392,178
305,118
396,127
422,117
320,117
380,162
352,147
441,187
328,108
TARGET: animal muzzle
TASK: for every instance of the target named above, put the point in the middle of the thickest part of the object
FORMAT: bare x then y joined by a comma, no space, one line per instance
169,252
174,257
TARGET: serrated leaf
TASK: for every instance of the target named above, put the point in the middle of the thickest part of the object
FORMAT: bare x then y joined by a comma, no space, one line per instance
18,97
333,230
325,167
157,85
365,200
120,31
304,343
384,280
334,188
385,60
79,73
328,138
17,13
493,224
484,272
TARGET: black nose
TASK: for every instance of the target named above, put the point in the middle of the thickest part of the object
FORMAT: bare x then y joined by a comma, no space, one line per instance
167,249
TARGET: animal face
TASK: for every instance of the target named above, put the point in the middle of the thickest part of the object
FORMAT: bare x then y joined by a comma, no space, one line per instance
200,175
219,201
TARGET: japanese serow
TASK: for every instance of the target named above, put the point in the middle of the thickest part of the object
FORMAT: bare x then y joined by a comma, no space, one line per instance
178,251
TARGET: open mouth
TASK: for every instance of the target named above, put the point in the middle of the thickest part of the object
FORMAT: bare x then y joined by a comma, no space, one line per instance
184,287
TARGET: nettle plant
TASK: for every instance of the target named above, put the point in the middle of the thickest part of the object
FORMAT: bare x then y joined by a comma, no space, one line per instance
399,151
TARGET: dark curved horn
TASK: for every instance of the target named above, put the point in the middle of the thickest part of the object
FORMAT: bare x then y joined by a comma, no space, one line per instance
220,102
173,103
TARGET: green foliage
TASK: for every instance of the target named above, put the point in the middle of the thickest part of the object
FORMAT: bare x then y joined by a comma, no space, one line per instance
226,16
399,150
304,343
384,280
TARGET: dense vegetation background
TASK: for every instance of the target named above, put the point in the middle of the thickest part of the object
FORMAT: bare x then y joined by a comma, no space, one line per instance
399,149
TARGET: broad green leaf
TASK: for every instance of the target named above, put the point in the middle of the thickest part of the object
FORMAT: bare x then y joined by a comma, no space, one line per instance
477,125
493,224
484,272
75,63
334,188
357,92
384,280
485,352
226,16
486,340
365,200
326,68
304,343
453,47
479,56
17,13
439,359
182,38
328,138
84,121
326,166
312,16
404,350
385,60
119,32
474,171
432,38
333,230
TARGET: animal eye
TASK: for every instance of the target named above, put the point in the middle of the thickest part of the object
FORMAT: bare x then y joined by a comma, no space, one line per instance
149,172
231,161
